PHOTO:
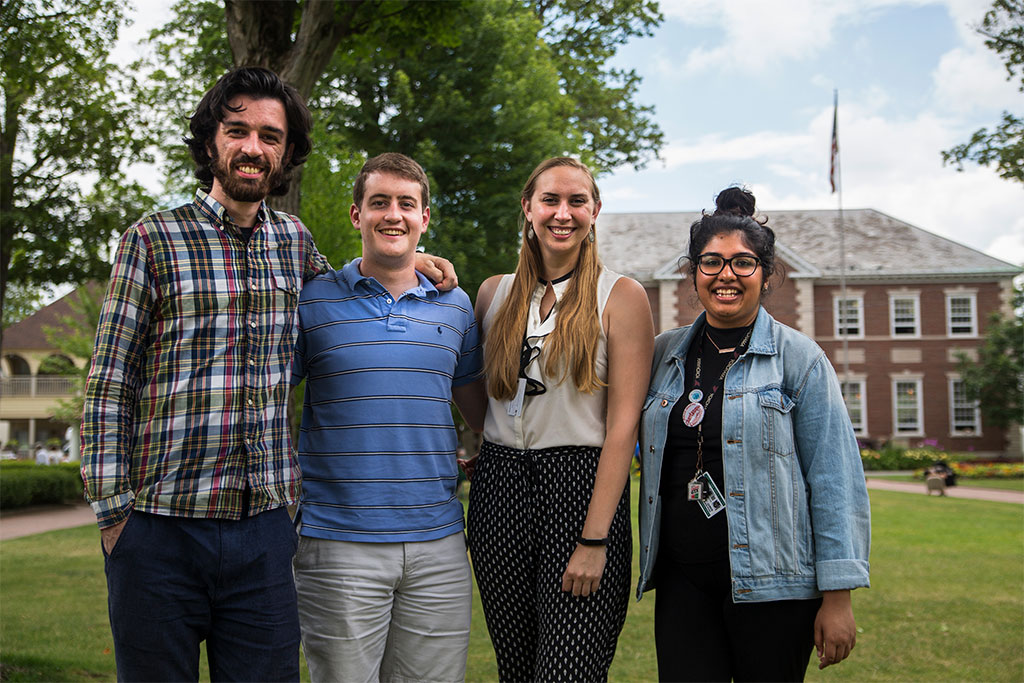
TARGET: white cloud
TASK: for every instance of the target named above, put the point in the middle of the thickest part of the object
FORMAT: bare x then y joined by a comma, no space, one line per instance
760,32
716,148
894,167
971,79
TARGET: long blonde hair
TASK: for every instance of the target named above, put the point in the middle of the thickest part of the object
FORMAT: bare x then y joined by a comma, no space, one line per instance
572,347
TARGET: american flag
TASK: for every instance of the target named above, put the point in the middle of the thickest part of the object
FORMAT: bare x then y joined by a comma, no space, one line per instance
833,171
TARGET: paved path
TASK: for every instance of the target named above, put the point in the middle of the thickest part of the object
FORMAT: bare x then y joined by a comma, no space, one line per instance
958,491
40,518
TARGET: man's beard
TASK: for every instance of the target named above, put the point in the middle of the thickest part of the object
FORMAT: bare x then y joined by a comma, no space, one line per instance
245,189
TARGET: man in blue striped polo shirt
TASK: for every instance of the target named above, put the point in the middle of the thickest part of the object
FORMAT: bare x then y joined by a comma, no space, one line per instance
381,570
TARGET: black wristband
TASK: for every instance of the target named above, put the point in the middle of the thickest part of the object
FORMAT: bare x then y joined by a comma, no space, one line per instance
593,541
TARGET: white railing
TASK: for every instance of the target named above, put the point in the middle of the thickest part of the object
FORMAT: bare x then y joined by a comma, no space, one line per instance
40,385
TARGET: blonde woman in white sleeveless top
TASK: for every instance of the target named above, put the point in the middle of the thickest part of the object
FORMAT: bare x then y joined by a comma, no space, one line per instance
568,348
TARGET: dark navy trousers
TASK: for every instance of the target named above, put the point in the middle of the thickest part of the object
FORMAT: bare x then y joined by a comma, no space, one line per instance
173,582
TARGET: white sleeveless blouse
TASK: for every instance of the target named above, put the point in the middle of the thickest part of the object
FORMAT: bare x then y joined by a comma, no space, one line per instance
562,415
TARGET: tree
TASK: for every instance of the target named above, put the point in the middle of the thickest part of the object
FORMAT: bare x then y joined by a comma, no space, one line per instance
74,337
1003,28
64,127
478,115
479,92
996,379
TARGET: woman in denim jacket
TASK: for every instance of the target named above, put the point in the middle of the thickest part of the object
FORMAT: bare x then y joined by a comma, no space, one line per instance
745,416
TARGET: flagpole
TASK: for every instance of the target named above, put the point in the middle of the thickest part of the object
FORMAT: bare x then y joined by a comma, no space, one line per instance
837,187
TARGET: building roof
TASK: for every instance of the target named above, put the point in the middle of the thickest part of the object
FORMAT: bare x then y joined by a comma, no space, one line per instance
29,334
648,246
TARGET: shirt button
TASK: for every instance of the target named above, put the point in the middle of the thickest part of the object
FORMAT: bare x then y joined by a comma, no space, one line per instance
249,401
387,300
252,323
252,362
664,402
650,499
652,449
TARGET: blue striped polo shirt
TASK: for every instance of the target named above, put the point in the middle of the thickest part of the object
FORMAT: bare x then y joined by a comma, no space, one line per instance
377,443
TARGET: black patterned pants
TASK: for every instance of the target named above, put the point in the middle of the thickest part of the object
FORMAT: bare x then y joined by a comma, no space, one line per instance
526,512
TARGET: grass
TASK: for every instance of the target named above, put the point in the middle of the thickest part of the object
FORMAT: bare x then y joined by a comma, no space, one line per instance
946,603
1001,484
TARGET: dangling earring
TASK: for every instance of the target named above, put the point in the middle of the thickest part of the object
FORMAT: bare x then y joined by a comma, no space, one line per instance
590,235
530,234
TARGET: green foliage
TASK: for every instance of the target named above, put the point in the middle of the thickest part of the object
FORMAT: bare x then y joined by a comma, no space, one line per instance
478,116
64,122
327,183
24,483
478,92
896,458
20,302
996,379
75,337
1003,28
608,126
188,55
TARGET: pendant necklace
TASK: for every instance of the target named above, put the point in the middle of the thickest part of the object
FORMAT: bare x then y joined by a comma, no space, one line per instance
693,413
702,488
712,340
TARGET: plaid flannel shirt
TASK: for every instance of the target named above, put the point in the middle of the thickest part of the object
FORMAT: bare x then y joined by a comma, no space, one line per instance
186,399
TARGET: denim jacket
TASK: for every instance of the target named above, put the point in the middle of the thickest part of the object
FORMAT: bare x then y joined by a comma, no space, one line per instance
796,503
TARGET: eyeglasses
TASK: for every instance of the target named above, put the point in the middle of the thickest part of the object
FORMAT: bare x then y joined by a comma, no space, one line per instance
742,265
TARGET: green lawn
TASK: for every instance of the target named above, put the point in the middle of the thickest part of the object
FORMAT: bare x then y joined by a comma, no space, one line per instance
1003,484
947,602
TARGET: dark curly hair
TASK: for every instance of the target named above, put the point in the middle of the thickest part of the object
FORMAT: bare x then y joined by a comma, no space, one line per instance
734,211
257,83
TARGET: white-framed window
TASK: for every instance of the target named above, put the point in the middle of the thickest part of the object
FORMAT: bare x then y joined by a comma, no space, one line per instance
849,316
856,405
964,414
905,315
907,418
961,314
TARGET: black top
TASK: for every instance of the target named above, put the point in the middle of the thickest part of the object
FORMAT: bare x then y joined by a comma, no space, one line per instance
687,536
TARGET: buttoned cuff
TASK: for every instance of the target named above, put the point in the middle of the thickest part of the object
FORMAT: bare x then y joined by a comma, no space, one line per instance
113,510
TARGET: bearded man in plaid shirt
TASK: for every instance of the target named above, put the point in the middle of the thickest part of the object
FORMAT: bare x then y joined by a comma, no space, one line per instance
187,455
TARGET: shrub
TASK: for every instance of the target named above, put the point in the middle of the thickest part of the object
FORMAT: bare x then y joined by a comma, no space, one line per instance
25,483
893,458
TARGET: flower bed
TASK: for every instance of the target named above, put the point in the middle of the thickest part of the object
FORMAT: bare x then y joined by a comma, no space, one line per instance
994,470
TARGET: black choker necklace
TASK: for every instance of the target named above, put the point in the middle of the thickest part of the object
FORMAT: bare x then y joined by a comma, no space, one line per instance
557,279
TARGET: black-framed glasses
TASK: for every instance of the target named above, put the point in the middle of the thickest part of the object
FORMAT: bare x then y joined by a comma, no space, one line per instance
743,265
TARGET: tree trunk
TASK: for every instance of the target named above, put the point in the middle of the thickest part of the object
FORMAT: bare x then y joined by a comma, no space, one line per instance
8,226
292,201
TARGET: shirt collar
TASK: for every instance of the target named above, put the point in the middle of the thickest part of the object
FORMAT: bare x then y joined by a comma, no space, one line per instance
216,212
425,289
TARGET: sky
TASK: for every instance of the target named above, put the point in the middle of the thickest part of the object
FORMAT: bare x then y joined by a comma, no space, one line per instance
743,91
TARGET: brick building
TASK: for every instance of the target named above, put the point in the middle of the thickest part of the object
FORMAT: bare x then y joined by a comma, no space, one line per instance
913,299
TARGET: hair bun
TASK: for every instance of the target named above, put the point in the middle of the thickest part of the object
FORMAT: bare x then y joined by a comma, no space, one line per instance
735,201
